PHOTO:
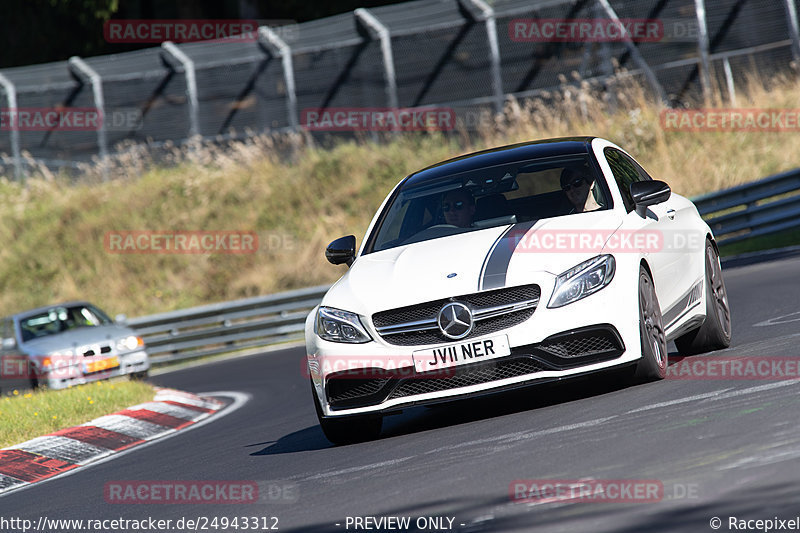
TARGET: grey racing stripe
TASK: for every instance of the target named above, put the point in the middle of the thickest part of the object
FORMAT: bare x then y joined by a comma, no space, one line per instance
671,315
495,266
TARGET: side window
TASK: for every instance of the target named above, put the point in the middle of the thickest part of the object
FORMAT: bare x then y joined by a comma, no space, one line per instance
626,171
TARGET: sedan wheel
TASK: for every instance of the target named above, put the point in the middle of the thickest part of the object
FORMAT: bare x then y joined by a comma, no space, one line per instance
715,333
653,364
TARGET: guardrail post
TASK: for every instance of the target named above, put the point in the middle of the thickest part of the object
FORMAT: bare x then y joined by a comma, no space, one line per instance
791,12
11,98
488,16
191,84
279,46
702,43
83,71
635,54
369,20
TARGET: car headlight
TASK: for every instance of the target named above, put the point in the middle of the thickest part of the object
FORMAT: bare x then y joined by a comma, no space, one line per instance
129,343
340,326
582,280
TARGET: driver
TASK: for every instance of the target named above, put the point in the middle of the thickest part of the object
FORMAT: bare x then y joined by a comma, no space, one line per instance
458,207
577,185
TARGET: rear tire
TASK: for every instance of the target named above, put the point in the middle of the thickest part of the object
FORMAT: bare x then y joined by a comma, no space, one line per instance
350,429
653,363
715,333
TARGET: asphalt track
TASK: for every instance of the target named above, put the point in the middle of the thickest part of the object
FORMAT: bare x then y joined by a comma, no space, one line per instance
719,448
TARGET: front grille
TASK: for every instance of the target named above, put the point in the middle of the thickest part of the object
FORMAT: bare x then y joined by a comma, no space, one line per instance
469,376
484,327
407,314
427,332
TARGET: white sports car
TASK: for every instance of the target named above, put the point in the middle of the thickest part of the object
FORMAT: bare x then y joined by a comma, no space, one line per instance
509,267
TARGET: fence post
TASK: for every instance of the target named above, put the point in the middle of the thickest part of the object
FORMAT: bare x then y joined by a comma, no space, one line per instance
488,15
191,84
637,57
791,12
83,71
266,35
702,42
368,19
726,65
11,98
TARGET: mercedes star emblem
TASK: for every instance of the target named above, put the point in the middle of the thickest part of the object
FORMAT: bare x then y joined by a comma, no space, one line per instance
455,320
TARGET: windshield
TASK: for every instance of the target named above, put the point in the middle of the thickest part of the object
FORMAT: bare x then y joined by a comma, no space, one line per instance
493,196
61,318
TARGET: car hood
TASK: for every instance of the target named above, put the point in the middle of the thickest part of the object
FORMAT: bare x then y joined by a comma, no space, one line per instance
464,263
76,337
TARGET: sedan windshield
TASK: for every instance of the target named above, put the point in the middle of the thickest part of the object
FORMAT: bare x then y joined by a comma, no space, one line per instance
61,318
493,196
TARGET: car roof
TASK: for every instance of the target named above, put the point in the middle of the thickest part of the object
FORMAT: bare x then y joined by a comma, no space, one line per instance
42,309
503,154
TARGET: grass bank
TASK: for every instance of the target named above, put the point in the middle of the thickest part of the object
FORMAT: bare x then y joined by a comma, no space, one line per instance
53,230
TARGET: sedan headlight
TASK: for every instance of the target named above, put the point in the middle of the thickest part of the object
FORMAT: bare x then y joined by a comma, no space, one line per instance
129,343
582,280
336,325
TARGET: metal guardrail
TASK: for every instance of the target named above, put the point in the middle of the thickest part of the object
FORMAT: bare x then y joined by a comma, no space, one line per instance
226,326
752,209
466,55
734,214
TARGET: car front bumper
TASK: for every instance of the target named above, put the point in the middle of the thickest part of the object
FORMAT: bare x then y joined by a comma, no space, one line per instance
376,377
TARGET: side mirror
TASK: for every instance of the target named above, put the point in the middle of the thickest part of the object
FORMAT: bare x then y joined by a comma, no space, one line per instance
342,250
121,319
9,343
647,193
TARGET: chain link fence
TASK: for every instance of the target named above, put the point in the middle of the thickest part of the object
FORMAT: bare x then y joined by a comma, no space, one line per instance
466,55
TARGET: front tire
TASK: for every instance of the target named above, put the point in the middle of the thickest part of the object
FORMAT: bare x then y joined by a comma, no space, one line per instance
653,363
350,429
715,333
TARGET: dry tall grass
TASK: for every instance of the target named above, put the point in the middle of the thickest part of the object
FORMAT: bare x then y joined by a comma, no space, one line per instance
52,229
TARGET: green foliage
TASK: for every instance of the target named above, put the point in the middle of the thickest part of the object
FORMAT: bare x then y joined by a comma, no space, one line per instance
39,31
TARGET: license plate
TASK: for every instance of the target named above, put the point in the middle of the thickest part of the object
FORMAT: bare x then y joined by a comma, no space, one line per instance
464,353
103,364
